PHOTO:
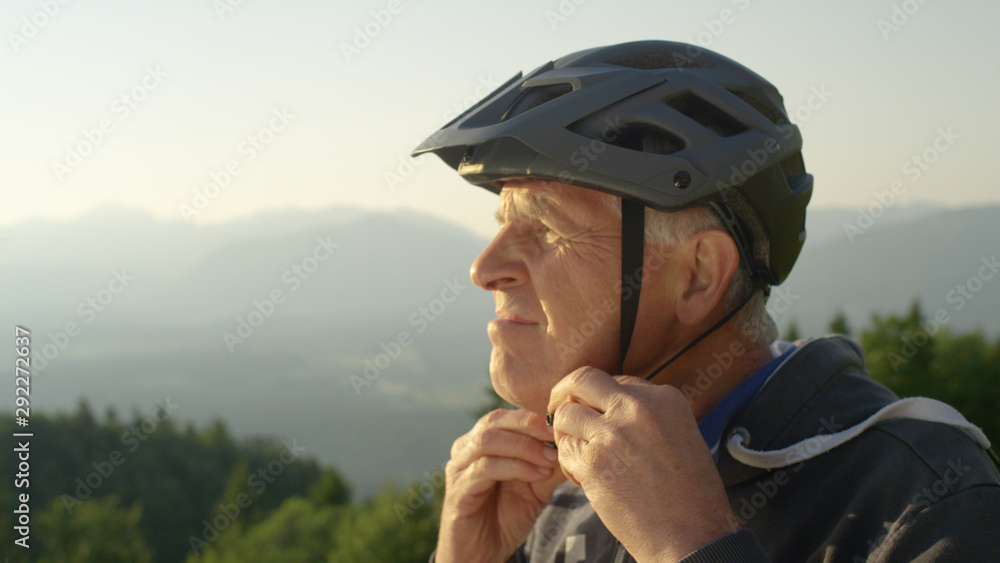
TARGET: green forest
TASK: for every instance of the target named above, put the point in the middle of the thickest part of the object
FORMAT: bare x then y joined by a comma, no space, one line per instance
150,490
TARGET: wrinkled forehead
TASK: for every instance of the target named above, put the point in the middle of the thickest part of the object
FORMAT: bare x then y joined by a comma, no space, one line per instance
539,199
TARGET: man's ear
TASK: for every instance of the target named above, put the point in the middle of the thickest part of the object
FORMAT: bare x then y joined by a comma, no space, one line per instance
711,259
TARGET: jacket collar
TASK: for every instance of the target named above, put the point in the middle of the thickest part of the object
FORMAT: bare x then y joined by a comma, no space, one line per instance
822,387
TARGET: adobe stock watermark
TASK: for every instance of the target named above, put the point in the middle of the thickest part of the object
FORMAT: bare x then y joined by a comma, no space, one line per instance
564,10
249,149
818,97
621,460
421,320
925,498
914,169
365,33
706,376
757,158
131,439
587,153
912,343
760,157
609,308
258,481
780,301
88,309
713,27
406,164
417,496
293,278
555,529
121,108
899,16
32,25
224,7
750,505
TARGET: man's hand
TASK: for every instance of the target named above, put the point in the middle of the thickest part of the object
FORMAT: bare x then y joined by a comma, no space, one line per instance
500,477
636,450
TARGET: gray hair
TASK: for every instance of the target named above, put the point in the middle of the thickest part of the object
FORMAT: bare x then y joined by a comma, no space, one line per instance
671,229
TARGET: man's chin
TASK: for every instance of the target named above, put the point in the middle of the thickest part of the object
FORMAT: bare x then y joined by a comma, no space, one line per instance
521,400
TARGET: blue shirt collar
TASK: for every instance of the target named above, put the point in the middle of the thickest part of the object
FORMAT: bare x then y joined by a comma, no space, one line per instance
715,422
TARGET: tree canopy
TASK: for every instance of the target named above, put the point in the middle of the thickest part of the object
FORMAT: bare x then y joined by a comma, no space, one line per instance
197,494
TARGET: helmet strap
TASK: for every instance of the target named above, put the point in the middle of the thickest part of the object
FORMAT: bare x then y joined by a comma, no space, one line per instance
758,285
633,245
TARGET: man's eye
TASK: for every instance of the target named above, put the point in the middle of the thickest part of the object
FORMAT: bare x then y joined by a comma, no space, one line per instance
546,233
552,236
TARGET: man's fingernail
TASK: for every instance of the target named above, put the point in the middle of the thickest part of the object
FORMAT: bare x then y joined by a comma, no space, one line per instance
550,454
544,470
550,418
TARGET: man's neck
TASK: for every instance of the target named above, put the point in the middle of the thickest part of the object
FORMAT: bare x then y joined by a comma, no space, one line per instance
713,368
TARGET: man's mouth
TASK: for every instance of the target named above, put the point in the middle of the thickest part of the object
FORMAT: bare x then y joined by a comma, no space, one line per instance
513,318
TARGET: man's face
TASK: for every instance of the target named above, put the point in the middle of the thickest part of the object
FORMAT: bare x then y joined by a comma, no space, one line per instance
553,269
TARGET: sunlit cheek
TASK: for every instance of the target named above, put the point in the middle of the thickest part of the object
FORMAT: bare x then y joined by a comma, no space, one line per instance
588,337
571,334
574,284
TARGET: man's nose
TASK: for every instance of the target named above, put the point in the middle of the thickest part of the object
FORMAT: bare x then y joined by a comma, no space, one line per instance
499,265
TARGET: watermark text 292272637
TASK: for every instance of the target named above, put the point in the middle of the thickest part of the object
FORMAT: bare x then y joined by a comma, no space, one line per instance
22,411
22,375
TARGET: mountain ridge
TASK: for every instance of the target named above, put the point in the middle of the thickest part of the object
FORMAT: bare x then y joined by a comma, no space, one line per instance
164,334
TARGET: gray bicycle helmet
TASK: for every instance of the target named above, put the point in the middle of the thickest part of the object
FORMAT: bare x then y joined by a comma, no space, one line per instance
659,124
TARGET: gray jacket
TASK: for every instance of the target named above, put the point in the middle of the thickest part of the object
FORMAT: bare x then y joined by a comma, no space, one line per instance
851,487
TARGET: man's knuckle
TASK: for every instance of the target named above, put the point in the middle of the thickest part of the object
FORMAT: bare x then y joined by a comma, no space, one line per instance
477,441
580,376
487,436
493,417
459,445
593,457
484,465
602,435
619,402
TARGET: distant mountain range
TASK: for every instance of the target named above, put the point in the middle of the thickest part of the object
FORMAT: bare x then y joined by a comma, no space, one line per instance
309,299
917,253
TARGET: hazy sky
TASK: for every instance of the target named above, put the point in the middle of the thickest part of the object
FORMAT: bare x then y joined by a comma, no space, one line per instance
202,78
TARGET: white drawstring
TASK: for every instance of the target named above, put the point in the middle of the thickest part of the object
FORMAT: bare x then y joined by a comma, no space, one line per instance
918,408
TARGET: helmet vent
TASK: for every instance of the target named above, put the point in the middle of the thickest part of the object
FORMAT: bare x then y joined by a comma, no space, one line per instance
646,138
531,98
709,116
775,114
653,61
793,165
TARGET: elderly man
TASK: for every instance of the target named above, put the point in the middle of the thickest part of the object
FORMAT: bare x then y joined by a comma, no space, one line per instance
650,194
